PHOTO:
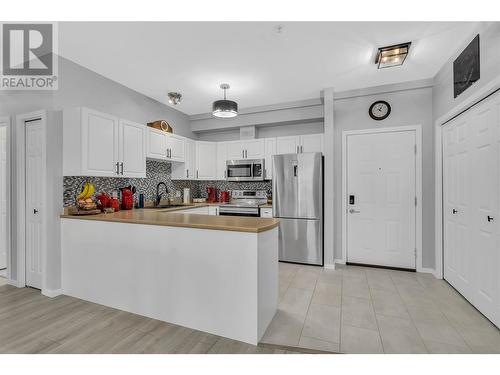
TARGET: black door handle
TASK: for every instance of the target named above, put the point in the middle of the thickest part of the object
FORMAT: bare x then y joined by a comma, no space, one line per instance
490,218
35,211
454,211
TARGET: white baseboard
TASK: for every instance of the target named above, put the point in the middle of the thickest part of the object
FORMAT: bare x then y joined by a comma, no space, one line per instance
329,266
426,270
52,293
339,261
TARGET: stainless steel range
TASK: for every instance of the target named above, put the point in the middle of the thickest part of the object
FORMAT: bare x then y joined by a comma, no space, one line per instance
244,203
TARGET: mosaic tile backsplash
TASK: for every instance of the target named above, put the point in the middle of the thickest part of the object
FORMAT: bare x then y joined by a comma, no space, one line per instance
156,171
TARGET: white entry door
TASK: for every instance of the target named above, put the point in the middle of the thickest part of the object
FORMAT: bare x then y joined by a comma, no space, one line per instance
34,202
3,195
381,198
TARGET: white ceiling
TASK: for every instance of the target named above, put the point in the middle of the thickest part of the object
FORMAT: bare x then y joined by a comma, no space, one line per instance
263,67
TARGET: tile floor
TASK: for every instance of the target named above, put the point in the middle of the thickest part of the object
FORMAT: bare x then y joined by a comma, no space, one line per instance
371,310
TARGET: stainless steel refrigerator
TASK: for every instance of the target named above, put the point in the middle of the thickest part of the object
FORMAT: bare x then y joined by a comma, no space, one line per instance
298,203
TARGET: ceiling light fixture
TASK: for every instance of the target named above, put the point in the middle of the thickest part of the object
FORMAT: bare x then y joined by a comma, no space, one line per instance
224,108
392,55
174,98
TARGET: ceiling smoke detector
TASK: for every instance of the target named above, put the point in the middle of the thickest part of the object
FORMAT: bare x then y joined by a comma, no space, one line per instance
174,98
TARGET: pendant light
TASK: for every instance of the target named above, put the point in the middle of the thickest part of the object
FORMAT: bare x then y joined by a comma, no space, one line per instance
224,108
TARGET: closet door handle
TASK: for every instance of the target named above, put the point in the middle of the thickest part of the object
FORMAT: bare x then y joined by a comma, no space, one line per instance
454,211
490,219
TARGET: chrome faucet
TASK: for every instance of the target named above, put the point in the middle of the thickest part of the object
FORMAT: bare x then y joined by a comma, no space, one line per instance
158,194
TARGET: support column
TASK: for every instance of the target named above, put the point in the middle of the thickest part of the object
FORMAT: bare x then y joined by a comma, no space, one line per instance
328,108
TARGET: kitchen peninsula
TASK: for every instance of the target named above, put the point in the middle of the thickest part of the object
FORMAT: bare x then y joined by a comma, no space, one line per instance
217,274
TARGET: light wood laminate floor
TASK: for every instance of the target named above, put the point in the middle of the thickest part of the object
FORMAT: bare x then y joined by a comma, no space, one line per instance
372,310
32,323
348,310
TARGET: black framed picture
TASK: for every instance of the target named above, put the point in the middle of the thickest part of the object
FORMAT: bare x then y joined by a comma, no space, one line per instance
466,67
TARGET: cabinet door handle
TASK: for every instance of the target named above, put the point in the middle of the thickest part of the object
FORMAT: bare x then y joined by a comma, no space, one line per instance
187,173
301,149
243,154
196,174
117,168
121,167
225,173
297,149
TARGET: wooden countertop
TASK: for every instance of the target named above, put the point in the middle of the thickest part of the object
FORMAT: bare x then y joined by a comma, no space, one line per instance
167,217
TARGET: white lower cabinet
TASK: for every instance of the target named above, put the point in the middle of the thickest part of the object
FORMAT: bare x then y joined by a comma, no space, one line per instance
206,157
266,212
99,144
213,210
194,210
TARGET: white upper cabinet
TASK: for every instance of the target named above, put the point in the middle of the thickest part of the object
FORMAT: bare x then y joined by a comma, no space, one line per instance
287,145
221,160
98,144
156,144
235,150
206,156
186,170
249,149
270,150
132,149
254,149
300,143
311,143
175,147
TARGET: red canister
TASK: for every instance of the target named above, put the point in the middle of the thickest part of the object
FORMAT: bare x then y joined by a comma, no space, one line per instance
127,199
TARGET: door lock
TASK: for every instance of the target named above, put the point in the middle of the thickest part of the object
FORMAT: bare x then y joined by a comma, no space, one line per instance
353,211
454,211
35,211
490,219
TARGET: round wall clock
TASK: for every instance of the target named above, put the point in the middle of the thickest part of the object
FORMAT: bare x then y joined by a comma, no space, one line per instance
379,110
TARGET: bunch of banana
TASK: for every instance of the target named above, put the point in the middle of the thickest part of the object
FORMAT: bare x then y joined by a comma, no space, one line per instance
84,199
87,192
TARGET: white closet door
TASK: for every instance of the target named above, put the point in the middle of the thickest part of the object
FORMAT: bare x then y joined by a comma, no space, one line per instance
471,188
34,203
457,205
3,196
486,251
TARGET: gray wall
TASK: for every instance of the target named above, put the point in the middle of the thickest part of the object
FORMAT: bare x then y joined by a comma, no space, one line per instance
79,86
409,107
489,39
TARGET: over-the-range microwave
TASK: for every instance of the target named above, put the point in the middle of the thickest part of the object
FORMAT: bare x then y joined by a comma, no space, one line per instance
245,170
